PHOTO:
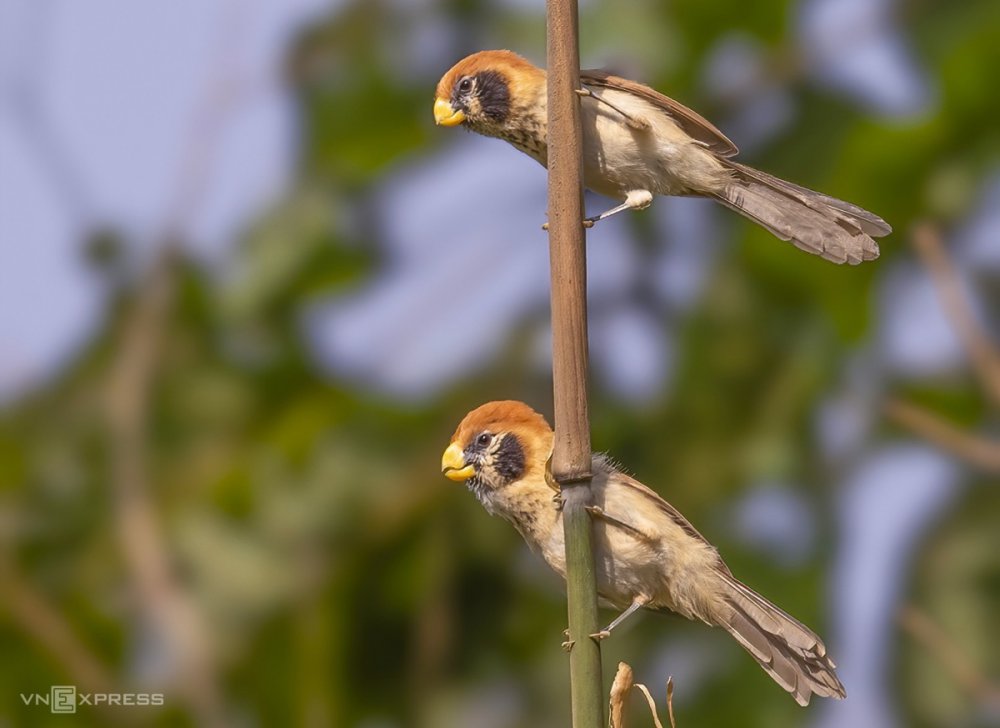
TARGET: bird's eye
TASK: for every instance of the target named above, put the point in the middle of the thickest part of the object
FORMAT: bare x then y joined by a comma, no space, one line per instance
465,85
484,439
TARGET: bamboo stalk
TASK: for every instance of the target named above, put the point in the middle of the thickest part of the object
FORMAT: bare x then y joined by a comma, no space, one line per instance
571,453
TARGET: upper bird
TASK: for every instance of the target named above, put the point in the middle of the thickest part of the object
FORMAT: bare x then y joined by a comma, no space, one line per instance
638,143
646,553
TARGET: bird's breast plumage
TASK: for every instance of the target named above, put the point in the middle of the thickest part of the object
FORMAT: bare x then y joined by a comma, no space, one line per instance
530,139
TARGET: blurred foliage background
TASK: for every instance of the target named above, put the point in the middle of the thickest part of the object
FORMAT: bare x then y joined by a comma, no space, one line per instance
249,290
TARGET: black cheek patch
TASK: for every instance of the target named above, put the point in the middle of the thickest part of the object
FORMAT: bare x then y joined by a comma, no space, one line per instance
459,99
494,95
509,459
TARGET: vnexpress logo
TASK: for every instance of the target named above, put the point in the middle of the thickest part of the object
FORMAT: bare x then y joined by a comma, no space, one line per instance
65,699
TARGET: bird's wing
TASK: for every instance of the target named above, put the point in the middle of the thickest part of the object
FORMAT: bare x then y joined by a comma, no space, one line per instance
693,123
672,513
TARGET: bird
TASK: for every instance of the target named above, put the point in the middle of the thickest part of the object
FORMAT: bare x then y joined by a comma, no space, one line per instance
638,143
647,555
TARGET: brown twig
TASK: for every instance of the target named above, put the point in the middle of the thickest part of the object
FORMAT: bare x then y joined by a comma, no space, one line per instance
983,354
969,447
972,448
163,601
43,623
950,656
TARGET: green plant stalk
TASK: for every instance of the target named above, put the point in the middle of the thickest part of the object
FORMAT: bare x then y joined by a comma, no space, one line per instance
587,692
571,461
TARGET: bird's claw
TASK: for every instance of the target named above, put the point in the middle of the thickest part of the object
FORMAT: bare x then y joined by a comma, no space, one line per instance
602,635
567,644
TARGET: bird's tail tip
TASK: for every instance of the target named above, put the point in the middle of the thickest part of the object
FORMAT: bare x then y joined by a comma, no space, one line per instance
835,230
792,654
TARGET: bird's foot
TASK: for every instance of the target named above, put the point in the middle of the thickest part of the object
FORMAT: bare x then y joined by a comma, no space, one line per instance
559,500
634,200
602,635
567,644
588,222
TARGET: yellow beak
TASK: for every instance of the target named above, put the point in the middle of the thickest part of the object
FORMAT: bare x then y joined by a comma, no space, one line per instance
453,464
446,115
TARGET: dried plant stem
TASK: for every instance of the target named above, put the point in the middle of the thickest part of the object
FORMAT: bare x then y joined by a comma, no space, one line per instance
623,686
970,447
40,620
651,703
164,604
620,689
670,701
967,446
983,355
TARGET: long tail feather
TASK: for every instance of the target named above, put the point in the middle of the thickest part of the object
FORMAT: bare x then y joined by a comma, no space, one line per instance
836,230
792,654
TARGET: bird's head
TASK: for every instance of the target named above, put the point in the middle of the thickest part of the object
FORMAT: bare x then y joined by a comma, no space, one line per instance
495,445
486,90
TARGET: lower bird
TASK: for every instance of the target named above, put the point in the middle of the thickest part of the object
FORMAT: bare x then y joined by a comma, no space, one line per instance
638,143
647,555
